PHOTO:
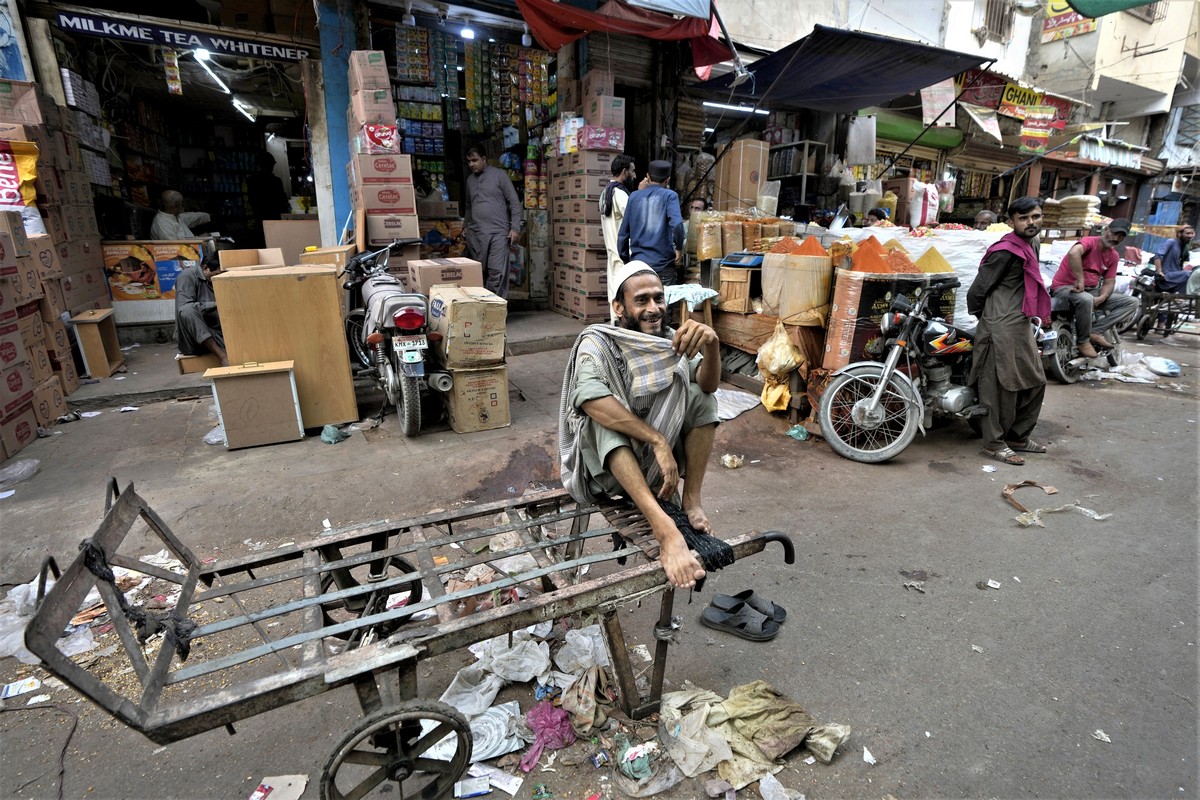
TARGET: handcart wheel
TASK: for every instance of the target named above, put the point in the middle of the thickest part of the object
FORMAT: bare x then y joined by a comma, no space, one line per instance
347,609
386,753
1143,326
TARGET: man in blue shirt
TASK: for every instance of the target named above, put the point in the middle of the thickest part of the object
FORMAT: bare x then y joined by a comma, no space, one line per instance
652,228
1171,265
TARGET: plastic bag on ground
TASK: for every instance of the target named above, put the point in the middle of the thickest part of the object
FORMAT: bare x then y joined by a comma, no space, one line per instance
17,471
584,648
16,609
695,747
551,728
524,661
472,691
771,789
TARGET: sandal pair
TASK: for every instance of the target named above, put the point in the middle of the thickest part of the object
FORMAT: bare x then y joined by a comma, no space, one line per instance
744,614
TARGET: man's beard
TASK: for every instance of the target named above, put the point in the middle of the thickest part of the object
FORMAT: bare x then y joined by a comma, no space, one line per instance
630,185
629,323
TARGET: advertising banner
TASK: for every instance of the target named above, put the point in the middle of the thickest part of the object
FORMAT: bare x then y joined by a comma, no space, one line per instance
1035,130
1017,99
1062,22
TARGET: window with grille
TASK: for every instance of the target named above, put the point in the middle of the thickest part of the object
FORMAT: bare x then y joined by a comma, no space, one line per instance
994,20
1150,12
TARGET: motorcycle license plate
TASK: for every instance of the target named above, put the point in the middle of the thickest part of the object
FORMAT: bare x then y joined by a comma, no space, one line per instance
410,342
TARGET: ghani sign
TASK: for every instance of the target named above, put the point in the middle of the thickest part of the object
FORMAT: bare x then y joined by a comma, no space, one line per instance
179,38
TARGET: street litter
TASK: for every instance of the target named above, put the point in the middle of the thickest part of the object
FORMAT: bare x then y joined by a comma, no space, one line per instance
332,434
70,416
216,435
730,461
127,409
18,471
1163,366
1015,578
1027,517
90,414
867,757
280,787
326,524
7,494
771,789
988,468
977,648
810,760
37,698
917,585
500,779
472,787
1101,736
19,687
993,584
798,432
731,403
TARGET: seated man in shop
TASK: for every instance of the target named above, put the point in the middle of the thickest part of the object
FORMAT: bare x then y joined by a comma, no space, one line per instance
983,219
173,222
874,217
197,325
1086,279
1171,266
638,412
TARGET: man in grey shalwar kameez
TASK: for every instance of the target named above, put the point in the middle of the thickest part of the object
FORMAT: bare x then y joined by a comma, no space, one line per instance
493,220
1006,369
197,326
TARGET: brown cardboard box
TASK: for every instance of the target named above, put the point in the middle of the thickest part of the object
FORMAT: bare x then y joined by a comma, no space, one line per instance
16,132
67,375
18,429
385,228
11,224
33,330
427,273
84,287
243,259
20,103
597,83
579,257
380,168
583,281
9,260
12,344
604,112
191,364
45,256
369,70
27,279
740,174
58,343
39,362
471,321
372,107
386,198
16,387
577,209
337,256
569,96
590,162
8,301
257,403
580,234
49,403
478,400
52,304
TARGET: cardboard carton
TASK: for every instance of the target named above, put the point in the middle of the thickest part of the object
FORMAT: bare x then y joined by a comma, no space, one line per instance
596,83
369,70
12,344
471,321
49,403
386,198
427,273
191,364
478,401
385,228
371,107
247,259
53,303
605,112
19,428
12,224
16,387
45,256
740,174
380,168
337,256
67,375
257,404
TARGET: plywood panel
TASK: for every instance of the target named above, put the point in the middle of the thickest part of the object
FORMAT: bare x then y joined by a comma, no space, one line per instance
291,313
292,236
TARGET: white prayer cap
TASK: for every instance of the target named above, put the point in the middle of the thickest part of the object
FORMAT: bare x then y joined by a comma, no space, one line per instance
627,271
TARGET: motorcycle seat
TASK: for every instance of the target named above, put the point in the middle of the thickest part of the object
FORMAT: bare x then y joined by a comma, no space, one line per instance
1059,304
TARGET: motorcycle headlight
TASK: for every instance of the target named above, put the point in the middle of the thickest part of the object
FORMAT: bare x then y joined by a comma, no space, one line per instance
891,322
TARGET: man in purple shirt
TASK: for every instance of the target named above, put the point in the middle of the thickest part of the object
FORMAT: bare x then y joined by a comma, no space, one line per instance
493,220
1086,278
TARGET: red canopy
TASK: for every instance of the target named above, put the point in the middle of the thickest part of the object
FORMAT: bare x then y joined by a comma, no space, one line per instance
556,24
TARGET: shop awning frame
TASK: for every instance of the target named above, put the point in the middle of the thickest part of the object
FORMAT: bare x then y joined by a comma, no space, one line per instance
842,71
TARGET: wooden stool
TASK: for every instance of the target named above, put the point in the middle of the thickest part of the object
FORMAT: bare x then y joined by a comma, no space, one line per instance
96,332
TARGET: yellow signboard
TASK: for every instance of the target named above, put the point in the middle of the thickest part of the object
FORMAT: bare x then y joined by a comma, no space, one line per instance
1016,99
1062,22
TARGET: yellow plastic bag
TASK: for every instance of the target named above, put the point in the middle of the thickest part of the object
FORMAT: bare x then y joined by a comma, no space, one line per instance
775,394
18,171
778,356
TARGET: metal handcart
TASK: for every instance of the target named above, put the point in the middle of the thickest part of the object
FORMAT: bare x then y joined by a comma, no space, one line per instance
267,630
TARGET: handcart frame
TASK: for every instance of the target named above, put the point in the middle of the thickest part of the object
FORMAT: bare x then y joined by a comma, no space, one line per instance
335,626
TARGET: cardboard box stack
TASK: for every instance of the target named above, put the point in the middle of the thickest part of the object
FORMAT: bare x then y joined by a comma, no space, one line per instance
579,264
380,175
471,323
51,264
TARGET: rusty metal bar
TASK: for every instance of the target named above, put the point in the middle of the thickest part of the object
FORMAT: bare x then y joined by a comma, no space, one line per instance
153,687
314,650
619,651
661,646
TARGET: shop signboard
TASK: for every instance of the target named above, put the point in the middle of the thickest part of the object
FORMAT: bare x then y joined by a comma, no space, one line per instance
1017,99
1063,108
155,34
1035,129
981,88
1062,22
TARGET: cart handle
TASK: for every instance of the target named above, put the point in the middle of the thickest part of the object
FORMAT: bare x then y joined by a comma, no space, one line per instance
48,565
789,552
112,492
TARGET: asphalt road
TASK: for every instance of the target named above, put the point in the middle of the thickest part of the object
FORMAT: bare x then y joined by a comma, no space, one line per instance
959,691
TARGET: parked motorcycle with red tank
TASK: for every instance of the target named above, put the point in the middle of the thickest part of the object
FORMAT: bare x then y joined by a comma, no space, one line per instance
387,333
871,411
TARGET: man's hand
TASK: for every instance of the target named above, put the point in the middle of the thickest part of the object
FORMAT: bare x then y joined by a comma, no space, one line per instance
670,470
692,336
513,236
1079,285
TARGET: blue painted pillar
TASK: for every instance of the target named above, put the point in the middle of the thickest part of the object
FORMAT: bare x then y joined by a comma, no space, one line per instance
336,22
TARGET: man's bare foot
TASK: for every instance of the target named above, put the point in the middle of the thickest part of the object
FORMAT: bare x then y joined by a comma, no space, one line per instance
682,568
699,520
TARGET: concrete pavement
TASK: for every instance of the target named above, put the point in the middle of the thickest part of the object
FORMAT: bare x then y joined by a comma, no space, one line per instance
1094,626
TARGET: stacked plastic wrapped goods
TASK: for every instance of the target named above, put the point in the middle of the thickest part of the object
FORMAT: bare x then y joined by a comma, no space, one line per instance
51,265
1079,211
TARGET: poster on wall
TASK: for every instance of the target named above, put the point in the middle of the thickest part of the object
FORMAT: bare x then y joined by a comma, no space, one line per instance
1063,22
14,63
936,99
1035,130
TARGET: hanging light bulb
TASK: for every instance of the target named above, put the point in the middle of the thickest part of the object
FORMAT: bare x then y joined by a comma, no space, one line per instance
526,39
408,18
467,31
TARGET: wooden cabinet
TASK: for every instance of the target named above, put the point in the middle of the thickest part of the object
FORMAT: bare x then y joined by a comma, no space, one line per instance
291,314
96,332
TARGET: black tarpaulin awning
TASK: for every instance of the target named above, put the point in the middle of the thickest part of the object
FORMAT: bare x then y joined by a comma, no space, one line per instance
843,71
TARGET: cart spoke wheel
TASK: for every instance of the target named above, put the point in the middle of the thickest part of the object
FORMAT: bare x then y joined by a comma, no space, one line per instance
386,754
361,605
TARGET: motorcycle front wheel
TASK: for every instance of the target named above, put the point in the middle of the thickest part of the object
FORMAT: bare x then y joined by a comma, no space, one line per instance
1058,364
409,407
856,433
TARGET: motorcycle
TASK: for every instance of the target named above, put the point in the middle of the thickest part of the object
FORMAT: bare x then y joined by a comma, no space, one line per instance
387,332
871,411
1065,363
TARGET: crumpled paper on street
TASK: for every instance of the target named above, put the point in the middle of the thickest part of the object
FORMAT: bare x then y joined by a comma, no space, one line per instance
1027,518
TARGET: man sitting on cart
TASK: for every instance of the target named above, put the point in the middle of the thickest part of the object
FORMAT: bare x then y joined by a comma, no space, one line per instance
1086,278
638,412
1171,266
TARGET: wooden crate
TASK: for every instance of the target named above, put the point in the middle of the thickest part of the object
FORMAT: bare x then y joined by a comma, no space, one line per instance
96,332
739,285
292,314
